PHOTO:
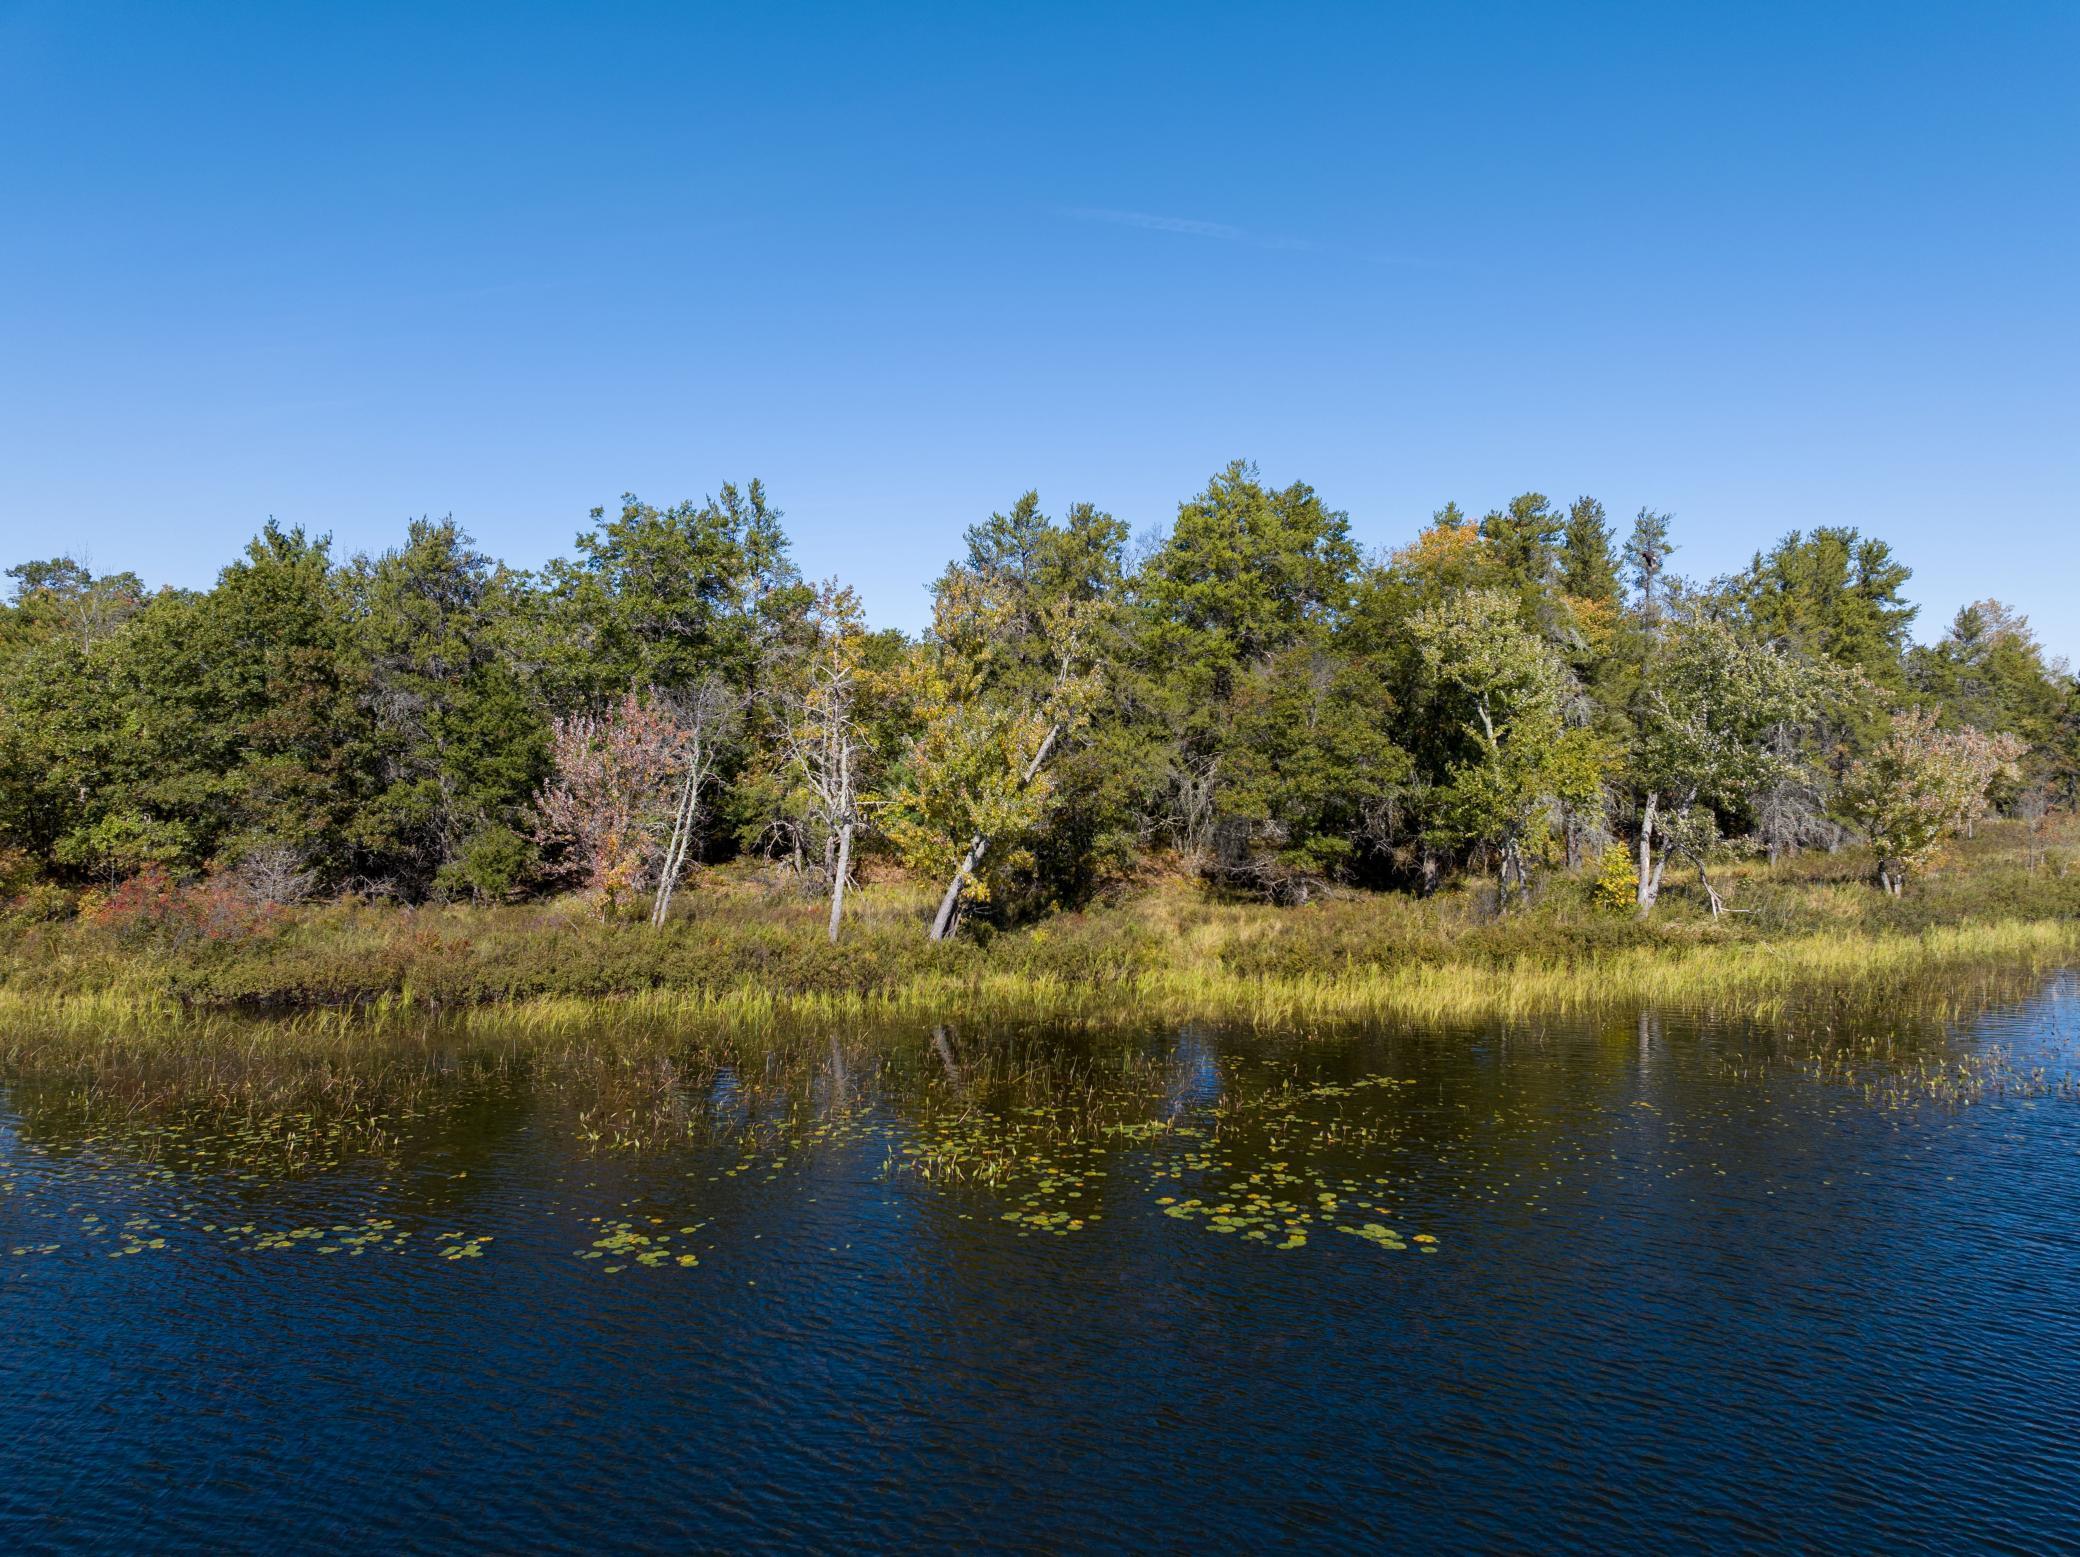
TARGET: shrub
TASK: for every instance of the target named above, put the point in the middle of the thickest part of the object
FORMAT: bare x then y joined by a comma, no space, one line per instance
136,908
274,873
151,908
1617,881
18,872
41,902
496,863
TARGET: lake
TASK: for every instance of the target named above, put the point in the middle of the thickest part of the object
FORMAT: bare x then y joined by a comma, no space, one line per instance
1653,1280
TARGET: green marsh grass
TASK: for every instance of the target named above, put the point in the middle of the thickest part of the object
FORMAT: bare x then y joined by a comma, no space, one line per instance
745,962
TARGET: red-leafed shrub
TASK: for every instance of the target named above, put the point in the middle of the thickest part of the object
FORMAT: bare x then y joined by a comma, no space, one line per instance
150,907
139,907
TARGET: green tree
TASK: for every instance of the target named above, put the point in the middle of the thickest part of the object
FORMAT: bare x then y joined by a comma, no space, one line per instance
1647,551
1245,572
1589,620
1588,567
662,597
58,742
1447,559
1714,707
1508,692
453,742
1833,595
1526,538
1990,673
1920,784
230,718
1008,678
1311,769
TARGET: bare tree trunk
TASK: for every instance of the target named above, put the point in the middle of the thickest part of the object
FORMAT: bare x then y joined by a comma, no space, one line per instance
1510,868
943,921
1711,892
843,868
838,879
681,842
1649,879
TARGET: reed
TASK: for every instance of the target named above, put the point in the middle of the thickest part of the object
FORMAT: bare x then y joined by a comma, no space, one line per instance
1939,968
750,966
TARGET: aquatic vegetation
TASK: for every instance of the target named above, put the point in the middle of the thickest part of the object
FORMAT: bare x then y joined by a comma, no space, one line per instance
623,1243
331,1136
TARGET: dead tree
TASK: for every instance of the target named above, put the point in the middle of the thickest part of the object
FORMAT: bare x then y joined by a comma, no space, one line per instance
705,719
822,746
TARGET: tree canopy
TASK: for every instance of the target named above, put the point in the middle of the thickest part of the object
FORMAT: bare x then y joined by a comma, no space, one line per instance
1246,697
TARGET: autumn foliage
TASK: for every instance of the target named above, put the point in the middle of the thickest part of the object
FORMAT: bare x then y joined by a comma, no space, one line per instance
1921,784
606,814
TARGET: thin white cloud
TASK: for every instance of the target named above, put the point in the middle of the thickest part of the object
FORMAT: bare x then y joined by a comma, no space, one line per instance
1189,227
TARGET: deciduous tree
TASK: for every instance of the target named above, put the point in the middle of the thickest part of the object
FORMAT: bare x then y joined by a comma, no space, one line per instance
1713,708
1509,693
608,810
1920,784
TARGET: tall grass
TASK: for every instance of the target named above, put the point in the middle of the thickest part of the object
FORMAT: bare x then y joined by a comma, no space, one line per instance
747,962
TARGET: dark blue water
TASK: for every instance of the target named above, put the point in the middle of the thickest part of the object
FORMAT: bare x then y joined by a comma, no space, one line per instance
1684,1293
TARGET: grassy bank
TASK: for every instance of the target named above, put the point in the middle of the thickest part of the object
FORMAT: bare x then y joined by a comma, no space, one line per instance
751,952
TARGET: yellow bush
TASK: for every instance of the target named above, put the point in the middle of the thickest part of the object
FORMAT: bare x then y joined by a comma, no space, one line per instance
1617,881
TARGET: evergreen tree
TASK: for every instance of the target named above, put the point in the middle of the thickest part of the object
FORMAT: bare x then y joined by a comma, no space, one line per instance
453,741
1647,550
1247,571
662,597
1588,567
1525,537
1835,595
235,711
1310,769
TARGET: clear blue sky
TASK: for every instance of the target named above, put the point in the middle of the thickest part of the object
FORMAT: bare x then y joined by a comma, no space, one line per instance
1769,267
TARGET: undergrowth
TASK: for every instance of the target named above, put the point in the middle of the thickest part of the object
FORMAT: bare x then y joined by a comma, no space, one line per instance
740,953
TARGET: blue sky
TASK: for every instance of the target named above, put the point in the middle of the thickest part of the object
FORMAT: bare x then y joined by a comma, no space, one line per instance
1768,267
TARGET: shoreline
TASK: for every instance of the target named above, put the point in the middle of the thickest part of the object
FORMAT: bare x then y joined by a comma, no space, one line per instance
745,953
1752,979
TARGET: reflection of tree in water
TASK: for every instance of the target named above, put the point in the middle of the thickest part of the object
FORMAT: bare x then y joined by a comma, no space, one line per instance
1060,1121
1194,1072
255,1143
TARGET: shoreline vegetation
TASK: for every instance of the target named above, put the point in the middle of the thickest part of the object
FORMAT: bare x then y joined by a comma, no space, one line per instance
744,950
1237,772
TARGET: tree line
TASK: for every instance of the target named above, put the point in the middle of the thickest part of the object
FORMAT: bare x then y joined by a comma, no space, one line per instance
1502,697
